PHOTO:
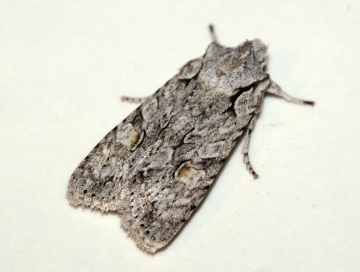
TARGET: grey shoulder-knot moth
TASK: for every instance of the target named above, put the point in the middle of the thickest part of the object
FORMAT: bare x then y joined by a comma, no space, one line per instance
156,166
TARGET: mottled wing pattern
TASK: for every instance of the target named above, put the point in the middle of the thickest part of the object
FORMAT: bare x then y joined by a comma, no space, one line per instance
157,165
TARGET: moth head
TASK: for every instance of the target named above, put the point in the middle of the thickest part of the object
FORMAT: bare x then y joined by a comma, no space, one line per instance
228,69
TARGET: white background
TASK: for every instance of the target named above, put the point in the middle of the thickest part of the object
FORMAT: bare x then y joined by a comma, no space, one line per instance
64,66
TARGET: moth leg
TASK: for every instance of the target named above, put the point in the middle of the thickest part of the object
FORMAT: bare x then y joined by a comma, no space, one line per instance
245,149
276,90
134,99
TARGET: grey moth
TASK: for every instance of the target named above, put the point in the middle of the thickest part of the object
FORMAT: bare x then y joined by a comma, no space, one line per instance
156,166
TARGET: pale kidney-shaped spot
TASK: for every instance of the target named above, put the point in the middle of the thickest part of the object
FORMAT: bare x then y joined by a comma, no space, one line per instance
189,175
128,136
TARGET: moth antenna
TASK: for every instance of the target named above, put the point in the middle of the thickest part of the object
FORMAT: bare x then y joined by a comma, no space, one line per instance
212,33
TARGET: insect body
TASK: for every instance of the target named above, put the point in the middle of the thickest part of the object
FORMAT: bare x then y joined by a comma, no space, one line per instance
156,166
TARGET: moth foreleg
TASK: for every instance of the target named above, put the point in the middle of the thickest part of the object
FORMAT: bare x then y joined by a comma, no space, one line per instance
134,99
245,149
276,90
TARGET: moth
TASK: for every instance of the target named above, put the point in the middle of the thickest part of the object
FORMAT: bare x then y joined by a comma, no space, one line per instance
156,166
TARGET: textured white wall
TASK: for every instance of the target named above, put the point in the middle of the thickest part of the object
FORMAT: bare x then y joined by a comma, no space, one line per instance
64,66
